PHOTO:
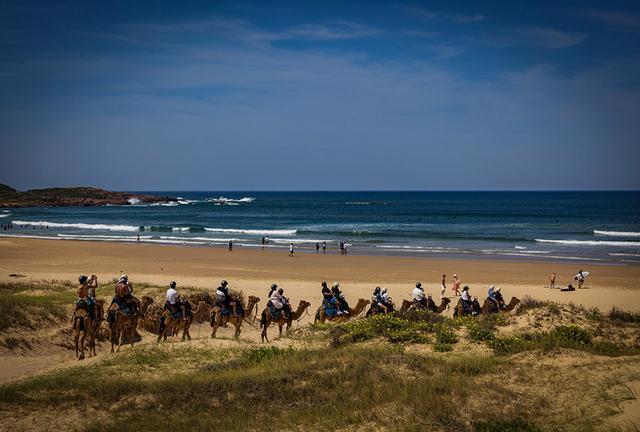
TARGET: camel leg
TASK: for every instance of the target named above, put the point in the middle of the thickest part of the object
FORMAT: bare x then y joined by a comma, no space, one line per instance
76,337
84,333
238,326
280,329
263,335
214,328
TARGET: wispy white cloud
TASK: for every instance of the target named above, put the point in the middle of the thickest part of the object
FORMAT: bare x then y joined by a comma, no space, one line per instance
334,31
620,20
549,37
419,12
468,19
529,36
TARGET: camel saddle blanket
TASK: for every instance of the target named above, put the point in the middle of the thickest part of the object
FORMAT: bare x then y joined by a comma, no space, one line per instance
330,310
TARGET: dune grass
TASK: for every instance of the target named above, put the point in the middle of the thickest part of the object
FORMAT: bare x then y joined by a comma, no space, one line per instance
34,304
266,388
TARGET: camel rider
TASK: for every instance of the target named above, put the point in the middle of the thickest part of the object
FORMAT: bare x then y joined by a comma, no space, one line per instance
124,298
87,295
378,300
327,295
274,287
491,295
277,303
385,298
499,298
224,298
173,305
341,302
419,298
286,306
465,297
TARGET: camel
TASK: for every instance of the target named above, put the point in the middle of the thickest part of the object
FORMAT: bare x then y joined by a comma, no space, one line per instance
485,309
444,303
489,307
266,319
84,328
124,326
217,320
173,326
357,310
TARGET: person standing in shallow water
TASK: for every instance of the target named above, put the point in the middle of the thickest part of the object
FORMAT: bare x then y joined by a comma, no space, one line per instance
324,247
291,250
317,247
230,245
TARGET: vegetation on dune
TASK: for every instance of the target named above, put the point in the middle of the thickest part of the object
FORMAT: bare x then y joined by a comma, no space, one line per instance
266,388
34,305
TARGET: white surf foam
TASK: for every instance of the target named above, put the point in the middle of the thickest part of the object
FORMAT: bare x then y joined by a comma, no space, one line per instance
617,233
133,201
209,239
225,200
252,231
592,242
103,227
4,215
101,237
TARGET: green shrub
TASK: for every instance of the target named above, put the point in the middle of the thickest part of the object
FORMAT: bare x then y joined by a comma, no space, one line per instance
445,335
616,314
442,347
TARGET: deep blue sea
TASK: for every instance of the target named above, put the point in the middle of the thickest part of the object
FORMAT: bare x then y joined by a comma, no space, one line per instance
564,226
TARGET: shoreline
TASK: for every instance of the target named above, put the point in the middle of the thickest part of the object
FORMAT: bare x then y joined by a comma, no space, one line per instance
506,255
253,271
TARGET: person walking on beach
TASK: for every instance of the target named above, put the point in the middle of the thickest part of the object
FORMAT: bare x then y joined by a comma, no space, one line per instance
324,247
262,243
291,250
552,281
317,247
456,285
443,286
580,278
230,245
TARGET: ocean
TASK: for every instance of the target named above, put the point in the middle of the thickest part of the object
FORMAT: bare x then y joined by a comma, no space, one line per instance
554,226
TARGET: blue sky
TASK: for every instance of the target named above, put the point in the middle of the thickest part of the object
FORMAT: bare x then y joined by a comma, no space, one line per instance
155,95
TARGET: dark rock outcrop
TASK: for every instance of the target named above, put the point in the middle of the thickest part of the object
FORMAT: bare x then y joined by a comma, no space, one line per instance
72,197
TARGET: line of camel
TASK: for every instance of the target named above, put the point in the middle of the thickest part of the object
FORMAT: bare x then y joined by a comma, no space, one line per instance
123,329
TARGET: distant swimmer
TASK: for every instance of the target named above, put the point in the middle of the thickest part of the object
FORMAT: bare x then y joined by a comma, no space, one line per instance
456,285
291,250
443,286
552,280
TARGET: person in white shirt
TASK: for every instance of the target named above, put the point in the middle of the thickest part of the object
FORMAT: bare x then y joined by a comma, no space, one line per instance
418,296
172,304
465,294
291,250
172,294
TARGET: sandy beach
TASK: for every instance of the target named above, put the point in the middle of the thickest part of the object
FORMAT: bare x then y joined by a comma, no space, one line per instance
253,271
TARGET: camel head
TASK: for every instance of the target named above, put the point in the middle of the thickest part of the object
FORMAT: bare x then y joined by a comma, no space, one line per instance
253,299
303,304
362,303
515,301
406,304
445,301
